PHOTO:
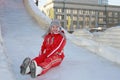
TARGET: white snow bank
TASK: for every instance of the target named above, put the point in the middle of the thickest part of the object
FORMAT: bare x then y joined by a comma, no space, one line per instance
113,28
41,18
105,50
83,32
110,37
5,70
110,53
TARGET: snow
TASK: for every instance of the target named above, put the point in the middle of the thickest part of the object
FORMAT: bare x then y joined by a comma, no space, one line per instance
4,65
84,33
41,18
108,52
22,37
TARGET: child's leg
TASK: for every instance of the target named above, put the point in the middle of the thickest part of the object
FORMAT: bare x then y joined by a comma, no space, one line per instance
50,62
35,69
39,59
41,68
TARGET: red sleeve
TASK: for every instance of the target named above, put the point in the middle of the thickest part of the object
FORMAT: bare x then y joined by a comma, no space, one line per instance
43,47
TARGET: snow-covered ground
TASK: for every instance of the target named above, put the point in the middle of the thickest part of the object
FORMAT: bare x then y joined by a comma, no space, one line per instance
23,36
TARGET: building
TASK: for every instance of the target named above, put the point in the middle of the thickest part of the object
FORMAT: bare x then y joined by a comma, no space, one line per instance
78,14
103,2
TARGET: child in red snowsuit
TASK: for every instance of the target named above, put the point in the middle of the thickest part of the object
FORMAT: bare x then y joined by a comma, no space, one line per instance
51,53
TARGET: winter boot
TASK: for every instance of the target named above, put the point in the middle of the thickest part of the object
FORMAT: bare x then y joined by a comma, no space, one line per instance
34,69
24,68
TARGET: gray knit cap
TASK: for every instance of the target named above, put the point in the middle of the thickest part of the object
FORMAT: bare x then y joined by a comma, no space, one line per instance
55,22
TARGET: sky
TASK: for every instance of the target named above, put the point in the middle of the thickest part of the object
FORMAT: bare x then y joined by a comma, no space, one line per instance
114,2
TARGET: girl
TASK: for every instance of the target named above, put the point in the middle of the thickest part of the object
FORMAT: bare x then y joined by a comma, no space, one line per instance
51,53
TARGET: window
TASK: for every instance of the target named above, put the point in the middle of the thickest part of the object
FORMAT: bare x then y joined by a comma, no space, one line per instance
115,20
100,20
59,17
110,20
101,14
87,18
115,14
92,12
80,11
74,11
81,18
93,19
86,12
59,10
68,11
110,14
67,17
75,18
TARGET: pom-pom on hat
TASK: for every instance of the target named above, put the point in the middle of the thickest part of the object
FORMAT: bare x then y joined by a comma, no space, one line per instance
55,22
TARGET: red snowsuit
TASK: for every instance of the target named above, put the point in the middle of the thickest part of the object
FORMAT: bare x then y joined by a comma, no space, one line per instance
51,52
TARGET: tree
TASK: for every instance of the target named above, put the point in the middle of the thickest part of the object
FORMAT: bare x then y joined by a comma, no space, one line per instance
51,13
69,23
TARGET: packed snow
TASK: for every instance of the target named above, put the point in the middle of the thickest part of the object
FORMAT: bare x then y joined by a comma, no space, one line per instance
22,37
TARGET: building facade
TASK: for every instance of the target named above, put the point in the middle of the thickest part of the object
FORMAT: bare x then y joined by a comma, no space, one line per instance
80,14
103,2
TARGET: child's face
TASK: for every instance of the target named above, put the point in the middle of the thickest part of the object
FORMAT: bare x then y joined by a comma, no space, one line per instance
54,29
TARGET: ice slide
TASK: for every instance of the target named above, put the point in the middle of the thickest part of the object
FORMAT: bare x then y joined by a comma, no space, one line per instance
23,36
